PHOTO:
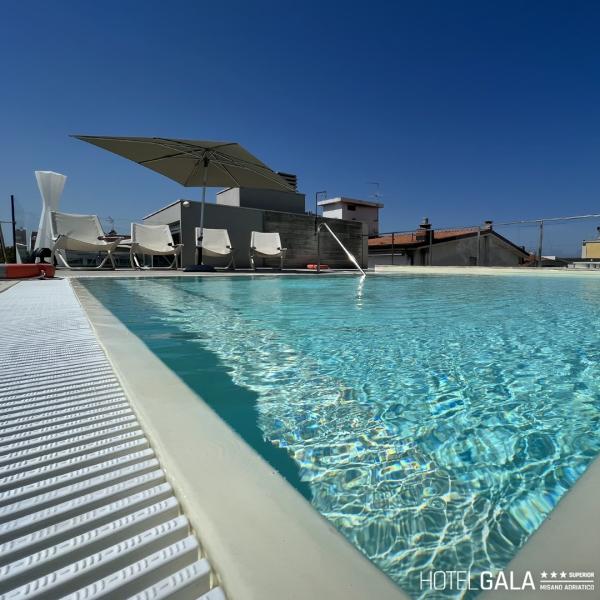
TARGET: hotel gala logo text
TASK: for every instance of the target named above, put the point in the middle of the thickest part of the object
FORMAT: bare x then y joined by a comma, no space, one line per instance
548,581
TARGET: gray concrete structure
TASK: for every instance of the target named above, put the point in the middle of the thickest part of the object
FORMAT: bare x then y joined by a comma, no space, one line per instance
297,231
263,199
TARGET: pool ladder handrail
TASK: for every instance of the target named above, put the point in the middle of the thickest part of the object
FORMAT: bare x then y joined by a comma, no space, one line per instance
335,237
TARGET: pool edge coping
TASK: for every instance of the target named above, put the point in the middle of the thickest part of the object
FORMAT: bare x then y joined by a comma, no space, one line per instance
434,270
568,539
301,556
565,535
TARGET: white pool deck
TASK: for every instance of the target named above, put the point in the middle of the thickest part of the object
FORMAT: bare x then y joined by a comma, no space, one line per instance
86,510
243,531
512,271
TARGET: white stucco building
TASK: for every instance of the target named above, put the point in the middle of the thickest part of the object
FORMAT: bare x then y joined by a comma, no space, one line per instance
351,209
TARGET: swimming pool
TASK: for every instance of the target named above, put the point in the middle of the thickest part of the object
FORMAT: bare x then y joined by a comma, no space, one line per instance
434,420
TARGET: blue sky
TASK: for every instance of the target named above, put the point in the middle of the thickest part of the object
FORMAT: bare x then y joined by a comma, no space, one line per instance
462,110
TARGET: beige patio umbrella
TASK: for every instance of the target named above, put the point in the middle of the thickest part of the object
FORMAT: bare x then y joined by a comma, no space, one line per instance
194,163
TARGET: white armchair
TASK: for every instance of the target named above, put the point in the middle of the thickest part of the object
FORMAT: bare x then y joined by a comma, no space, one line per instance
267,245
79,233
155,240
215,243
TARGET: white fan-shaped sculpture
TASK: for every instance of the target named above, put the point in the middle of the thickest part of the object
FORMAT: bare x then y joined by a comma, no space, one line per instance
51,188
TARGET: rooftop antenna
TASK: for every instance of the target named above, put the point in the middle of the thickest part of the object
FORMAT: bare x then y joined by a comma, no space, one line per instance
2,245
376,194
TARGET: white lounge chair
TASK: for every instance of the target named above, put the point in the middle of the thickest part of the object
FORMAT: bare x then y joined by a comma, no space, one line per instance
155,240
266,245
214,242
79,233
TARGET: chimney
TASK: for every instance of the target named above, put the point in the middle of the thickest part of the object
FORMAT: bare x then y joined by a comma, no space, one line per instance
424,233
488,224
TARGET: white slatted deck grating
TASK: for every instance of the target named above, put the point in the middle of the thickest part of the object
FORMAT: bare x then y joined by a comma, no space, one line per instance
85,509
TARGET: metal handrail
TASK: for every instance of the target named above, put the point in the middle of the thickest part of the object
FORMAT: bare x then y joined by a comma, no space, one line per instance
335,237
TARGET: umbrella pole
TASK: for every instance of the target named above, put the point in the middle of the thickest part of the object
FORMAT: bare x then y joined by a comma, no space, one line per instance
204,177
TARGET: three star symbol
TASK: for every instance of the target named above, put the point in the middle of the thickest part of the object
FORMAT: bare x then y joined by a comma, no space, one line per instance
553,574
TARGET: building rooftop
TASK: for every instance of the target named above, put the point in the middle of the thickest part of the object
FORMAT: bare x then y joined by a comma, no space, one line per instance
354,201
409,238
418,238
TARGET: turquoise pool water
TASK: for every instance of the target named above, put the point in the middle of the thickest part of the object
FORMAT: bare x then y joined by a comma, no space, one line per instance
434,420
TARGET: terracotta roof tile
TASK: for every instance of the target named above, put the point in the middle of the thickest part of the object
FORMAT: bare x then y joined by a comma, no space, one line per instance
410,238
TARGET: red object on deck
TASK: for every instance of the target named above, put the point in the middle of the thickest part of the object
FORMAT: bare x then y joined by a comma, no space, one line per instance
26,270
313,267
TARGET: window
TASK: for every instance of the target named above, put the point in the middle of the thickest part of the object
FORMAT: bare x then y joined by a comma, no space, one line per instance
351,207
